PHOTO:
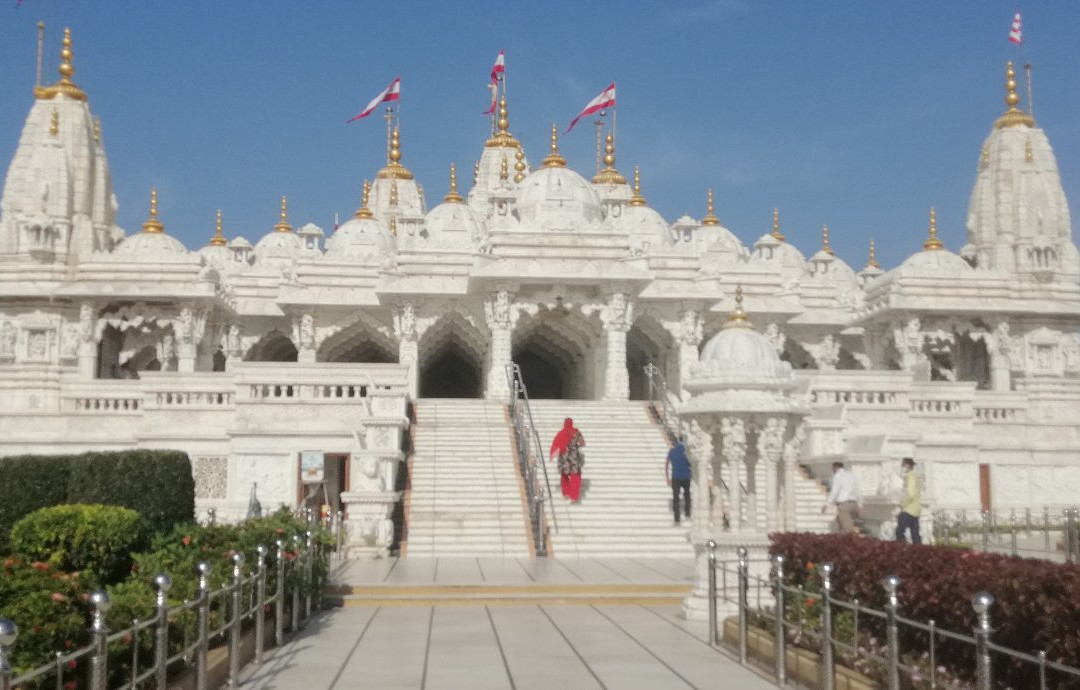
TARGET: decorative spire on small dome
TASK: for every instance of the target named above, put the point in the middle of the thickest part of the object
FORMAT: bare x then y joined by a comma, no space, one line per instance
394,169
738,318
1013,116
364,211
218,240
452,197
67,71
932,242
519,165
283,222
637,199
554,159
872,263
504,169
503,137
54,122
609,175
152,224
825,241
710,218
779,236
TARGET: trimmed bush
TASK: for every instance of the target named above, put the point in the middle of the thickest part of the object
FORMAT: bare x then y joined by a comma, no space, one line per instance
94,540
30,482
49,608
1036,609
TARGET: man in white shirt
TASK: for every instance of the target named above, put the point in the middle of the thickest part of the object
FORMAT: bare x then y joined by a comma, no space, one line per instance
847,497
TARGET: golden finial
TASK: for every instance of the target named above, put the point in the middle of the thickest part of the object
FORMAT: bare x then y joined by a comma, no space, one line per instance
1029,155
504,169
364,211
54,123
393,194
67,71
554,159
1013,116
393,225
283,221
97,129
519,165
738,318
475,172
710,216
932,242
218,240
609,175
394,169
637,199
872,263
152,223
40,48
825,241
452,197
502,137
779,236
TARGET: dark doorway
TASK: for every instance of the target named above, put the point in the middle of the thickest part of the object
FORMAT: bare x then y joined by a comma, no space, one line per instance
544,377
451,373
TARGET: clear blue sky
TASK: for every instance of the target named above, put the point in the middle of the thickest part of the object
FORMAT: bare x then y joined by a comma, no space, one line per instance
855,114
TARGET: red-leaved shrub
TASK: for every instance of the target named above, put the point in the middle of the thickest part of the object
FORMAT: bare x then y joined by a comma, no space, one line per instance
1037,602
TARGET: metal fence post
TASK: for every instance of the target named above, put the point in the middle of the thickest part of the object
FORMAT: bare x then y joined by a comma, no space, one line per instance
744,586
982,602
203,645
309,566
298,585
279,597
260,603
828,673
8,633
234,623
99,663
714,633
779,643
340,533
1046,527
161,641
891,583
1071,537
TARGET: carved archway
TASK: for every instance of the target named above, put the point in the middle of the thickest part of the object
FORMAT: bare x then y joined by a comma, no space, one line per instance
275,346
358,342
452,352
646,342
555,350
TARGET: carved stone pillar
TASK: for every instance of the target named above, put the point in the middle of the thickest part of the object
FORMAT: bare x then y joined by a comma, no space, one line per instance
689,340
733,450
304,338
791,467
770,448
188,328
908,338
826,353
408,345
617,317
500,317
700,445
87,347
233,348
999,347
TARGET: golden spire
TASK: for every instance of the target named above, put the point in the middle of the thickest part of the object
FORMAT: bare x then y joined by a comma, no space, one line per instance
872,263
502,137
67,70
54,122
452,197
825,241
504,169
394,169
1013,116
152,223
738,318
710,216
364,211
779,236
637,199
283,222
218,240
932,242
519,165
609,175
554,159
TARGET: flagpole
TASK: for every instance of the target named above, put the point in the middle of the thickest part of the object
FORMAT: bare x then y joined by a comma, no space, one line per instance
40,47
599,122
494,89
1027,76
389,118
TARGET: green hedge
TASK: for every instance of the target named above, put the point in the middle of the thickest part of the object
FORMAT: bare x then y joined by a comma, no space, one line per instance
157,484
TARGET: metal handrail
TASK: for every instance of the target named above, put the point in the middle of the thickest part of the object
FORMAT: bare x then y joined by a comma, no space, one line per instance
229,600
999,531
824,634
530,455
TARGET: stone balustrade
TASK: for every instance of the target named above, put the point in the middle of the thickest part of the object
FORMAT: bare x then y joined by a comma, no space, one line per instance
102,397
1001,408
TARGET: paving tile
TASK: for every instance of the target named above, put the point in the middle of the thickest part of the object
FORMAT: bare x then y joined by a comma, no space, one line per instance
464,652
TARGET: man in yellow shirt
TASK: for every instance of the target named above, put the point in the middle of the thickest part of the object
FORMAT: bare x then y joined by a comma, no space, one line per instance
910,504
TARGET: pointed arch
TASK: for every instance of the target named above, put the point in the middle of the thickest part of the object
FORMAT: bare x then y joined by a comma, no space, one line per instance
646,342
557,354
452,353
360,339
275,346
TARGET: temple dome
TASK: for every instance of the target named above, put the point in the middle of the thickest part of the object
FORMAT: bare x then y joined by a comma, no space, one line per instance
557,198
150,245
648,230
454,224
933,262
742,351
360,238
778,253
277,247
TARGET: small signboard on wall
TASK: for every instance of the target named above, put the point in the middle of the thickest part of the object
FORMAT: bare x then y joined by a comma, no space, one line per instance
312,469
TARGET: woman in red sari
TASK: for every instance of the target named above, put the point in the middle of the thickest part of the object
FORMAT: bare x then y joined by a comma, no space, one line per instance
566,448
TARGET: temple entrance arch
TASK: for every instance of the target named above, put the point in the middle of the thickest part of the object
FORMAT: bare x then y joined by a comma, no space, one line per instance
646,342
555,349
358,342
452,354
275,346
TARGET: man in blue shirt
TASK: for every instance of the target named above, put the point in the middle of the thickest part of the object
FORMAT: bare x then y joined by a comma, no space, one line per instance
677,471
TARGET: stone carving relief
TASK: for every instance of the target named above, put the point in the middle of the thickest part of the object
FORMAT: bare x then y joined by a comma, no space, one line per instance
303,332
39,343
269,472
618,314
691,329
1070,348
908,339
70,340
405,329
770,442
825,353
776,337
498,309
211,476
9,333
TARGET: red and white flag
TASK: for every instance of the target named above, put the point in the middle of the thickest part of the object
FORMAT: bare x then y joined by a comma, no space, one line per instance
1015,35
390,93
496,70
606,99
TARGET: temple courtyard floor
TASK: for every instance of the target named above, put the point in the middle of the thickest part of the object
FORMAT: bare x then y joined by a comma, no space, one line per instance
504,623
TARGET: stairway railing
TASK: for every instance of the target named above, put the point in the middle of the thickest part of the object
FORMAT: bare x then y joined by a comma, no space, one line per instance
531,456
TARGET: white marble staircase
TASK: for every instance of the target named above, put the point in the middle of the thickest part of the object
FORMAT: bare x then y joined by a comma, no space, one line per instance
624,509
810,495
465,497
